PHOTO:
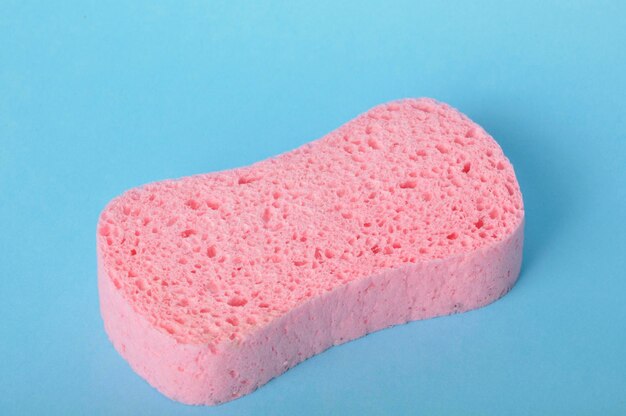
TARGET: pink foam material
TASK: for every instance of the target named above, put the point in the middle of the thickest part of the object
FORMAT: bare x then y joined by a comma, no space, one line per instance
211,285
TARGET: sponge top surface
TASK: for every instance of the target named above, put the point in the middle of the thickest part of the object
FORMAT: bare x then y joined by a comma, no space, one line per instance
211,257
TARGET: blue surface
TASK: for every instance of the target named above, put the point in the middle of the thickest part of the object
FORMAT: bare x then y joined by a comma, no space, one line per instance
96,98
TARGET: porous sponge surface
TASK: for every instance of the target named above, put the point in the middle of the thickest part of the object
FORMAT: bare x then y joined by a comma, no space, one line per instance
411,193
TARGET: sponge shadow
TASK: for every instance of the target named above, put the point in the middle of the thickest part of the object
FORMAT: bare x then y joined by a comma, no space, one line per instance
548,197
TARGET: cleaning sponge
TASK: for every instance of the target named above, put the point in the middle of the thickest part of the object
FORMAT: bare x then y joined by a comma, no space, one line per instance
211,285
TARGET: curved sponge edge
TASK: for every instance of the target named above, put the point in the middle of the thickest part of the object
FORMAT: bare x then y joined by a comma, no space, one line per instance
422,271
196,374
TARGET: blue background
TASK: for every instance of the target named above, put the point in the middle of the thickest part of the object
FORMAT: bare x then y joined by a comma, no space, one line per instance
99,97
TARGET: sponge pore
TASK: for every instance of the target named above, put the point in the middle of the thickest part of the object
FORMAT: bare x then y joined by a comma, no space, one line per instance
211,285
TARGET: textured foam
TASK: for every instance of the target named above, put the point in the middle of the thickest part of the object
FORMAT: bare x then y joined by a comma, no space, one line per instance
211,285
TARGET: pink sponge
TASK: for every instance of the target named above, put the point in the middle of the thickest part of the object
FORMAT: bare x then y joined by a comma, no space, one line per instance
211,285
